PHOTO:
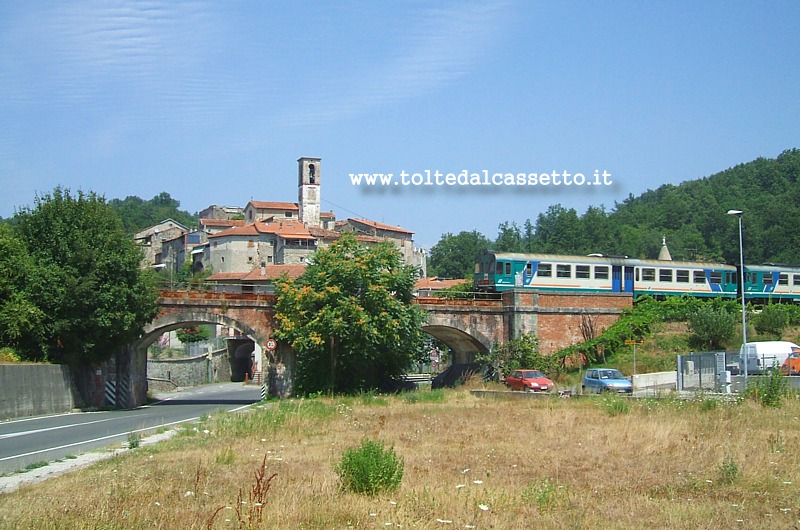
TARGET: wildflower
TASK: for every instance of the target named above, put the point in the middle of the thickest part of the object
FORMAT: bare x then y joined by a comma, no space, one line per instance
483,507
477,482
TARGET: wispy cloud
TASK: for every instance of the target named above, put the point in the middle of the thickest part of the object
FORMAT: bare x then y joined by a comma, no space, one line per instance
443,44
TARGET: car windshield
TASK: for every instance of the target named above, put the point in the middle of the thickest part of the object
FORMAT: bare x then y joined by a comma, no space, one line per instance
611,374
533,374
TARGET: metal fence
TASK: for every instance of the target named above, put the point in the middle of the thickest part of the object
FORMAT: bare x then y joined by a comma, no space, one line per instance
710,371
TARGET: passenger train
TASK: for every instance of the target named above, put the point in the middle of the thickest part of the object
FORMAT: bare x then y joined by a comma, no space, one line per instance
501,271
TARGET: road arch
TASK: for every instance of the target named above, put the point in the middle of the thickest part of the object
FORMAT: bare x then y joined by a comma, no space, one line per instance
240,352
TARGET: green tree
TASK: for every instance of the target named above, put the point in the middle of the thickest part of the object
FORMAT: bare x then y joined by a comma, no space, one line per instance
137,214
454,256
711,326
83,294
193,334
349,318
520,353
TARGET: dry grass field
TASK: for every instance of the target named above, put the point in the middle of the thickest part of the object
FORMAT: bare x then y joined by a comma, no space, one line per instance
470,462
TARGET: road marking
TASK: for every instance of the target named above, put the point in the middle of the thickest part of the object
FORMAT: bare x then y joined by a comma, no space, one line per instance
34,431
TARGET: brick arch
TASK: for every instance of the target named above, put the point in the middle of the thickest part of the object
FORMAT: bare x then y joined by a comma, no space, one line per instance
464,340
178,320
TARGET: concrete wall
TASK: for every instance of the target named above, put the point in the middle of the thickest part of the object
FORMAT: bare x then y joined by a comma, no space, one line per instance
35,390
655,379
167,374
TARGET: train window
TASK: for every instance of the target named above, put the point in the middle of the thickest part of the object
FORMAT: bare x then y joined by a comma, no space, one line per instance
508,268
545,270
682,276
478,267
563,271
600,272
665,275
795,279
582,271
648,275
498,269
768,279
783,279
716,277
699,277
528,268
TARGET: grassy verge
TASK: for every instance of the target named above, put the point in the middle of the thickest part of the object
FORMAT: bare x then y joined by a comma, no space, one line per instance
601,462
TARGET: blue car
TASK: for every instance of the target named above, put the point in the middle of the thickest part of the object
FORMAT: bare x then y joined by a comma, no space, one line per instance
597,380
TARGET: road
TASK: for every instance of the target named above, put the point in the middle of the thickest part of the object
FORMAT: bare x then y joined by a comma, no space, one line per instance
47,438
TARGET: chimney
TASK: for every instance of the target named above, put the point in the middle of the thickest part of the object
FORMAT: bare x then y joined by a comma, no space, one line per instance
263,268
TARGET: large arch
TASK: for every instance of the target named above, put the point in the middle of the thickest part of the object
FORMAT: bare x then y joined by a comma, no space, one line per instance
464,342
240,355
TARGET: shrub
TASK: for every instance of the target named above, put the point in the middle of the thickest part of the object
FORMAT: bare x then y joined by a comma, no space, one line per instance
772,320
769,390
711,326
370,469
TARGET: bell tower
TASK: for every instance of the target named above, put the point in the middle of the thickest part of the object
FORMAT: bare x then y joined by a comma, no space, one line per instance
308,189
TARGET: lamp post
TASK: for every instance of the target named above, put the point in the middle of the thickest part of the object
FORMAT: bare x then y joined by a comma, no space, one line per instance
738,213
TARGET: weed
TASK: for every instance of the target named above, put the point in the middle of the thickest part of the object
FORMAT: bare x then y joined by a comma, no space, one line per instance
769,390
370,469
226,456
34,465
429,396
249,513
728,470
615,406
708,404
776,442
134,440
546,494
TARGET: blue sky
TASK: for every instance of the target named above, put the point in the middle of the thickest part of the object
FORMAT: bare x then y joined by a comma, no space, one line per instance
213,102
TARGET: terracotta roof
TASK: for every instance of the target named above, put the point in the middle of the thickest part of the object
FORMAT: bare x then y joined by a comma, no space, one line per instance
287,229
381,226
327,215
222,222
437,283
274,205
271,272
323,233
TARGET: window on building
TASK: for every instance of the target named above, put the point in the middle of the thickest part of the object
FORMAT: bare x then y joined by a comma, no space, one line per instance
600,272
563,270
648,275
682,276
251,243
665,275
699,277
583,272
545,270
287,214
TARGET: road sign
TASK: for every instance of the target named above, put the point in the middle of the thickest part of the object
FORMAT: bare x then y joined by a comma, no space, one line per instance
632,342
272,344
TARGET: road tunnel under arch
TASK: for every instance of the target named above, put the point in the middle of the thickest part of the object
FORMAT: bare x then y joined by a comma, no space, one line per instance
243,351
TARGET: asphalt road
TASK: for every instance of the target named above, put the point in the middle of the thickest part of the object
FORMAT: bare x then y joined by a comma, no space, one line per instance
47,438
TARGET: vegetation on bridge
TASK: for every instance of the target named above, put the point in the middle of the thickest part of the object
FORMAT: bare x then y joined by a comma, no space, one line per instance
349,318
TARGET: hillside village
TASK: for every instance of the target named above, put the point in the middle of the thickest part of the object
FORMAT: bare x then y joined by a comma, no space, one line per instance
246,249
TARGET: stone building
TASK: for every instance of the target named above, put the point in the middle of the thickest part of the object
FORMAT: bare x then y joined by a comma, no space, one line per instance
151,240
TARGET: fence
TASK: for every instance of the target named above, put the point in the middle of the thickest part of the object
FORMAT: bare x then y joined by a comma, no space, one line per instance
705,371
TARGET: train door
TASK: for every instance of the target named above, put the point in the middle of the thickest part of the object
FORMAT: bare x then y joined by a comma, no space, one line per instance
621,283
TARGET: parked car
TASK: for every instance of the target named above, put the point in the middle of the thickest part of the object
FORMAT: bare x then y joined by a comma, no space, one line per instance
599,380
529,381
791,366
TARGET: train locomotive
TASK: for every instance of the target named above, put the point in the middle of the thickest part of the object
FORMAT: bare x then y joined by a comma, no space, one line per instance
501,271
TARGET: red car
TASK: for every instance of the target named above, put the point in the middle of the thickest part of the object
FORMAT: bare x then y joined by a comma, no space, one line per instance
529,381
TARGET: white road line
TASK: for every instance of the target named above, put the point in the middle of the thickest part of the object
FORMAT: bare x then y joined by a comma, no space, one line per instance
34,431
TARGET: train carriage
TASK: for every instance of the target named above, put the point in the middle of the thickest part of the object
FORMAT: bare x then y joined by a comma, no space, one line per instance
772,282
500,271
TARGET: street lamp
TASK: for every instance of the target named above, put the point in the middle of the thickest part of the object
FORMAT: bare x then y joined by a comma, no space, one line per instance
738,213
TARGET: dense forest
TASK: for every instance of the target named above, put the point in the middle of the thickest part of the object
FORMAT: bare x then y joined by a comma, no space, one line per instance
692,216
138,214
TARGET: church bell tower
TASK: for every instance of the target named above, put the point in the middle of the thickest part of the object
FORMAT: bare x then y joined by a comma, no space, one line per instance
308,188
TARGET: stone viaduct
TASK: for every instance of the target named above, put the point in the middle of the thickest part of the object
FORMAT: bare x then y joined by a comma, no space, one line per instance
467,326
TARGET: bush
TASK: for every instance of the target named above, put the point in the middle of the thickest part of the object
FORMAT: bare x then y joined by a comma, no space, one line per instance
711,327
772,320
769,390
370,469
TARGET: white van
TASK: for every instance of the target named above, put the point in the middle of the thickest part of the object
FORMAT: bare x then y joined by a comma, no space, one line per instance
763,356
